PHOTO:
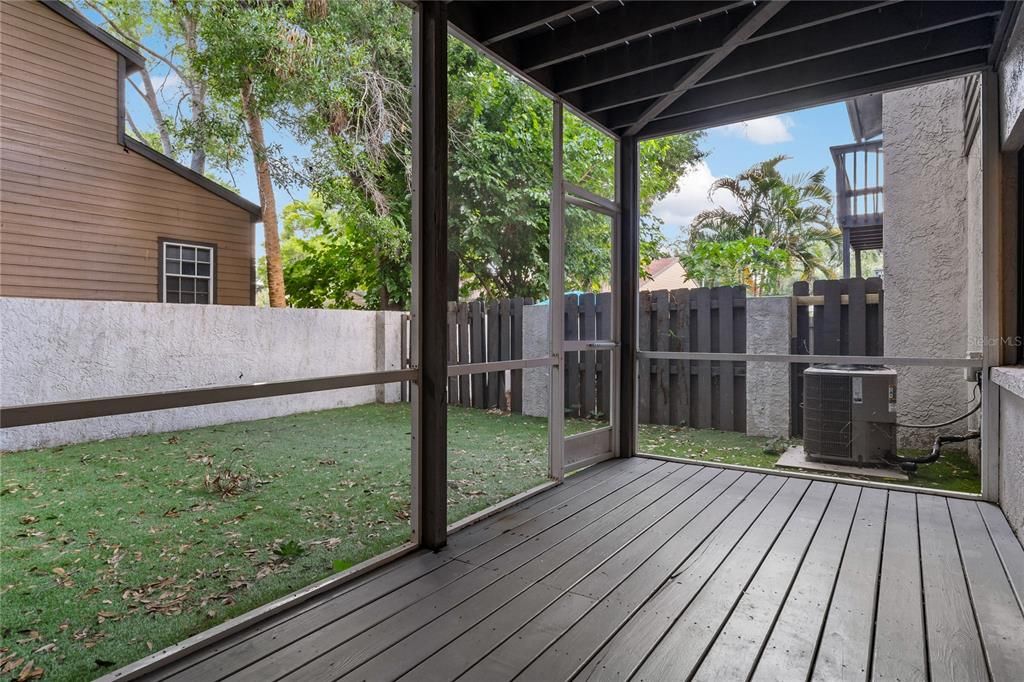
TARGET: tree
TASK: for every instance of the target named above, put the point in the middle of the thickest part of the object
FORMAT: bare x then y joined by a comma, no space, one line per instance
192,129
752,262
259,57
499,181
794,214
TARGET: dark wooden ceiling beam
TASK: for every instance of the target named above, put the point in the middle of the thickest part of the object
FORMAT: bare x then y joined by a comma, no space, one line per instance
889,23
498,21
631,21
685,43
682,44
801,15
921,47
815,95
755,20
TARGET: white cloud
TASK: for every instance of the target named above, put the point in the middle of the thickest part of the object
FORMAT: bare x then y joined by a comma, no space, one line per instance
689,198
768,130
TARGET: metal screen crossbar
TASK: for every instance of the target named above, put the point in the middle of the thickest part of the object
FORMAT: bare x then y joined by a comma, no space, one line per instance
47,413
813,359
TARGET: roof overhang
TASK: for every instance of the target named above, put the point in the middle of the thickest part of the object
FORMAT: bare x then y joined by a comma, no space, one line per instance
656,68
133,59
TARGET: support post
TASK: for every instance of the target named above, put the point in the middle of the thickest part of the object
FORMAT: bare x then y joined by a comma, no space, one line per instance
629,284
992,282
430,267
556,304
846,253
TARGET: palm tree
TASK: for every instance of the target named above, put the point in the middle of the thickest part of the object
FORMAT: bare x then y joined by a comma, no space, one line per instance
794,214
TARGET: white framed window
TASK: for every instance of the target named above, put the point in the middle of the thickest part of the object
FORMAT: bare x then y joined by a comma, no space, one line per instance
187,272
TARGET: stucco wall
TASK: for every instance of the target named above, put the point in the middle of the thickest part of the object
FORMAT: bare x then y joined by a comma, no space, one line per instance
536,344
1011,84
1011,445
54,350
768,384
926,248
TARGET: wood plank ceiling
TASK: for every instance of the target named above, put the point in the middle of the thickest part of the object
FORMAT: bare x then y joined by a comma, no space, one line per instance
654,68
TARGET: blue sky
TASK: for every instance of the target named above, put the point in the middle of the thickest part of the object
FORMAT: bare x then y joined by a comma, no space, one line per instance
804,135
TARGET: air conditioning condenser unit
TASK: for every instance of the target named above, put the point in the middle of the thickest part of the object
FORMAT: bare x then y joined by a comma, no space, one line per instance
850,414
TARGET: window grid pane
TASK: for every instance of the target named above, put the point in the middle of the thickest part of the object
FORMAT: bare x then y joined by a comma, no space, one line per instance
188,273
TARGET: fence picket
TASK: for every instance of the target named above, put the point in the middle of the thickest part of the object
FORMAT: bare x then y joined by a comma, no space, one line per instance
588,359
604,358
703,334
660,398
572,359
644,384
726,378
478,336
463,334
679,371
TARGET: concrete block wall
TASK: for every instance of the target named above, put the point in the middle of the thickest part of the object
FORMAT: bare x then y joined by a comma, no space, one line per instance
52,350
768,383
536,344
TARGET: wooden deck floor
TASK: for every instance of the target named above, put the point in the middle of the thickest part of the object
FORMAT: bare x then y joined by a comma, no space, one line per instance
646,570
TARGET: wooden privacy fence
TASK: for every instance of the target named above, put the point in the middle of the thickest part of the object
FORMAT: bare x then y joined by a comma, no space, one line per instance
482,331
588,374
840,317
702,394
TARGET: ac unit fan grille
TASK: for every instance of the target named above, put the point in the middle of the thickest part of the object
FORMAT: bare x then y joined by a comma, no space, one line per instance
827,411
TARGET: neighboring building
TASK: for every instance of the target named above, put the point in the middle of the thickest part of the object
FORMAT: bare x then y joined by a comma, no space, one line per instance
666,273
88,212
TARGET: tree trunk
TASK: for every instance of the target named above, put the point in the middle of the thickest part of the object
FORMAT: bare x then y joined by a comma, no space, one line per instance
271,241
197,98
149,95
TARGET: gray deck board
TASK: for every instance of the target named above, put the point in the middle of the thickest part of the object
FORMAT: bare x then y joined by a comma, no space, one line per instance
954,643
647,570
789,651
900,649
844,651
998,614
738,645
683,646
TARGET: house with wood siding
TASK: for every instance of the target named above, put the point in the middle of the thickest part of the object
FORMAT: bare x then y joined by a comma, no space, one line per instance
87,212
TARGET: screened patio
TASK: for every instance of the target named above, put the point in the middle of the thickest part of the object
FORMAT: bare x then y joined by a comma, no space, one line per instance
623,565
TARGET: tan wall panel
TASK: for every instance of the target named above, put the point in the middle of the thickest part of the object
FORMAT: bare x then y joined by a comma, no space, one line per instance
81,216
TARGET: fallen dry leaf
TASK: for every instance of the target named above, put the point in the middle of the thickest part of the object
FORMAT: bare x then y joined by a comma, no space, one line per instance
30,672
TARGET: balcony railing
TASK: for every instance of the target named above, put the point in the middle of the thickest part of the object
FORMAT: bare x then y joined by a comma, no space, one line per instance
860,183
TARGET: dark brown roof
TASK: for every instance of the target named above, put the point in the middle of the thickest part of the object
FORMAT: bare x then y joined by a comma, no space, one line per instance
653,68
134,61
133,58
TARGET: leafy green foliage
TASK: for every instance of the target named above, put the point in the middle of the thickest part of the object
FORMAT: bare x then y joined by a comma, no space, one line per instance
499,198
332,256
752,262
289,550
793,214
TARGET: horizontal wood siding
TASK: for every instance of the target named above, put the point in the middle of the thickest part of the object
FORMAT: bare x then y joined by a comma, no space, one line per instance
81,215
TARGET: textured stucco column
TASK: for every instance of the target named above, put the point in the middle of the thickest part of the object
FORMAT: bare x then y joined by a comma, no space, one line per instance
1011,445
768,331
927,281
536,344
388,352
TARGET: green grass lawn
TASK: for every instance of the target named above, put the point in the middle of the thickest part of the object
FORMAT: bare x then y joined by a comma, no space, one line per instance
953,471
117,548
